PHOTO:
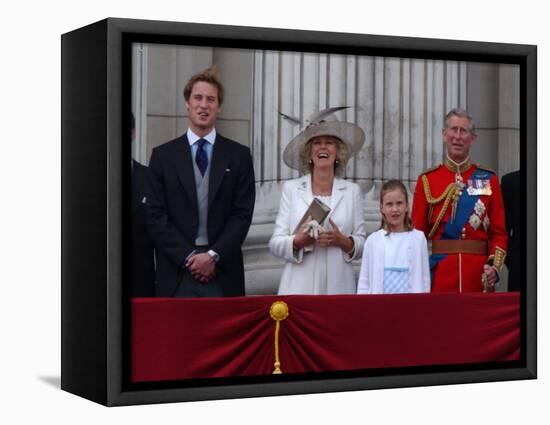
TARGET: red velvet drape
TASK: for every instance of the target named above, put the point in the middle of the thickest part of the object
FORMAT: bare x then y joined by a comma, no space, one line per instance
176,339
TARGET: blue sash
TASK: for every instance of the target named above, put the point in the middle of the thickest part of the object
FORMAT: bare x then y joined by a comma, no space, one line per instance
464,209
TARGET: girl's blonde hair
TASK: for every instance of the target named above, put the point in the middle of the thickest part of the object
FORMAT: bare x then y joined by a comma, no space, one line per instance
389,186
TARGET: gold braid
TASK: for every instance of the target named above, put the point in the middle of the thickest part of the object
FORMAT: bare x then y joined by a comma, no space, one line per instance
448,194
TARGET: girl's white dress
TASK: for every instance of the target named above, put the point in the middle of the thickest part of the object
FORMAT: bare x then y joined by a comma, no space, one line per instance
396,263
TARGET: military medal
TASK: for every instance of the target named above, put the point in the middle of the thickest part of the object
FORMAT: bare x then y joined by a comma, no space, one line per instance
475,221
478,187
479,207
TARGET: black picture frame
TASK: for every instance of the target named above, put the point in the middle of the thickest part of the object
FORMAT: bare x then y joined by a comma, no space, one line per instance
95,102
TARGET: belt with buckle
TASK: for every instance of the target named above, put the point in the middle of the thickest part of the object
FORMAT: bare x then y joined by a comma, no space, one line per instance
459,246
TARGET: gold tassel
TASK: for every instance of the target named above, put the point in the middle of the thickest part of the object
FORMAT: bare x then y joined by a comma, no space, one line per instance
455,203
448,195
278,312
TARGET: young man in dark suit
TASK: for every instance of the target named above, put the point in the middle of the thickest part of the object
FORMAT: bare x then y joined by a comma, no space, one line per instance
511,194
200,200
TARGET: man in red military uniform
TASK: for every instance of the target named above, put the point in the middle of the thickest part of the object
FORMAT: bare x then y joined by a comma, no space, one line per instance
458,205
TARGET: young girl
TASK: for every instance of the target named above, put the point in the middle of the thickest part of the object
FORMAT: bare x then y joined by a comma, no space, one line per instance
395,258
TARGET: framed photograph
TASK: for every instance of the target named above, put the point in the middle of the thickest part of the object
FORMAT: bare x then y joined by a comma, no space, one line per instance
127,340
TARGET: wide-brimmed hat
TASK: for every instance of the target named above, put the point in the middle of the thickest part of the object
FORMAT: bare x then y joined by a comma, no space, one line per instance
323,123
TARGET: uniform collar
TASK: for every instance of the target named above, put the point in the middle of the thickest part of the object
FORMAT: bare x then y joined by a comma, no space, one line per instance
457,168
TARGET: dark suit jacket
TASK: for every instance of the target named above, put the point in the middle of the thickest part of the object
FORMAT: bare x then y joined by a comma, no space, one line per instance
173,213
511,193
143,269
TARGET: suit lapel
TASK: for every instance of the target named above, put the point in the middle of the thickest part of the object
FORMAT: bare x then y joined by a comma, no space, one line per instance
184,167
221,156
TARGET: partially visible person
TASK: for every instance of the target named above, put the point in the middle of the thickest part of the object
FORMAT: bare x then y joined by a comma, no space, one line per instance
511,193
143,262
459,207
200,200
395,258
319,262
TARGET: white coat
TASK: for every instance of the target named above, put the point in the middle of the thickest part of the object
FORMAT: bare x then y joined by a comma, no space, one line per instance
318,270
371,276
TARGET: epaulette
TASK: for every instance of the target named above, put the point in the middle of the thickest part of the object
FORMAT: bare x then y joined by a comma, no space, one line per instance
482,167
429,170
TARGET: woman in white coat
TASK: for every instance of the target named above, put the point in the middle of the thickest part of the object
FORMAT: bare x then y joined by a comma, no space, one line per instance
320,263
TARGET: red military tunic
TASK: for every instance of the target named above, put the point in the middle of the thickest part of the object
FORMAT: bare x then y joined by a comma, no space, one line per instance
465,208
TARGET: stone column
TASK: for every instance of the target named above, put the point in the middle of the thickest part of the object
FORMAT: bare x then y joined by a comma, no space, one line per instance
139,100
508,119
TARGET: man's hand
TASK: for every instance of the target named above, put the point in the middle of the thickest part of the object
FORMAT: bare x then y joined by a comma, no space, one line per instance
202,267
491,275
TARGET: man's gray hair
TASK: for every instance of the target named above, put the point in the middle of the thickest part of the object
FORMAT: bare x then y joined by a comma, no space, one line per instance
459,112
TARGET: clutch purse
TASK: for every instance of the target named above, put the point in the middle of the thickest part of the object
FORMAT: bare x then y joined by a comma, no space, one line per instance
317,210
